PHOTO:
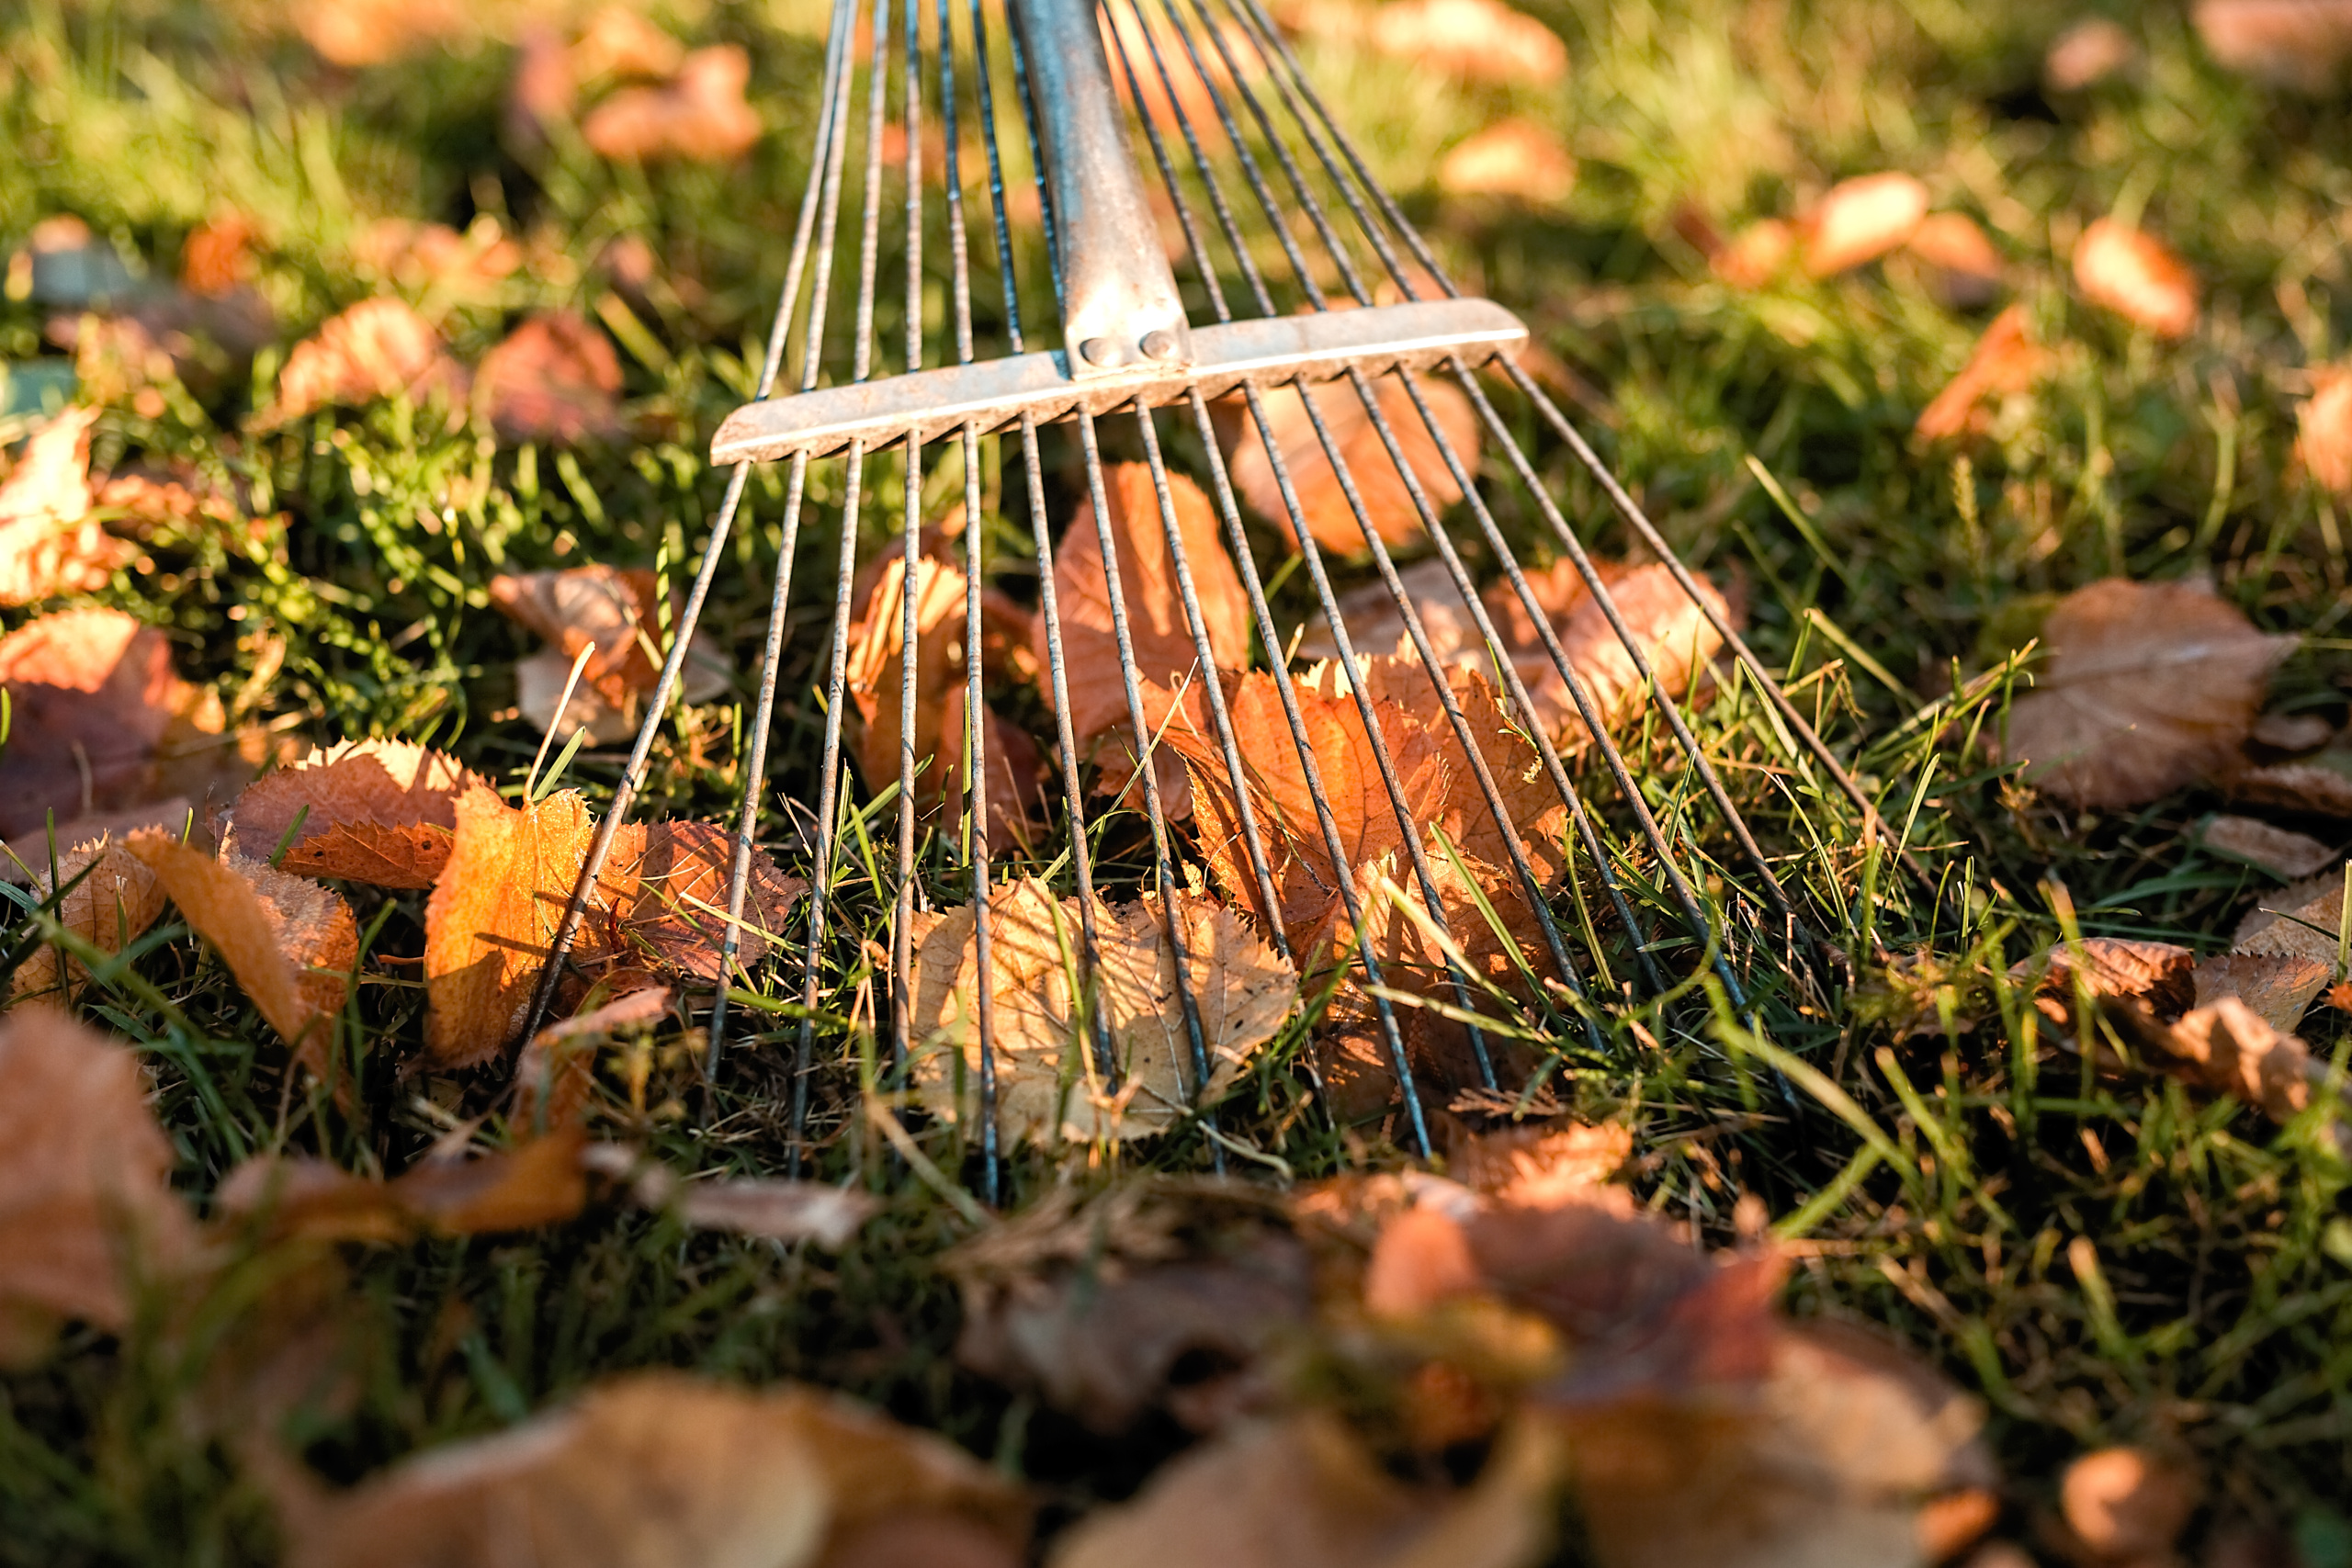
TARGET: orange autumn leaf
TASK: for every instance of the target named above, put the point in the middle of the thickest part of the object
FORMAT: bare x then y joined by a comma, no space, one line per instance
372,32
699,116
436,257
2149,687
100,723
2006,363
2138,276
2128,1505
1483,40
2302,44
620,42
86,1207
492,919
1386,502
619,613
2324,429
291,945
554,378
379,348
111,897
216,256
49,542
556,1072
1516,158
1754,257
665,889
377,811
1159,632
535,1183
1964,270
2087,53
1860,219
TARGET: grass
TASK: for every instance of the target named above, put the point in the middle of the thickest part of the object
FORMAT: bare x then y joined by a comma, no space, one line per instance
2099,1260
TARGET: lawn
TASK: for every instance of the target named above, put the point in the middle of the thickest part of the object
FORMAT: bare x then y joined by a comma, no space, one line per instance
1885,1129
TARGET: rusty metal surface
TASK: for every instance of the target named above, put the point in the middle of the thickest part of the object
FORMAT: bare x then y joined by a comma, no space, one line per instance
994,393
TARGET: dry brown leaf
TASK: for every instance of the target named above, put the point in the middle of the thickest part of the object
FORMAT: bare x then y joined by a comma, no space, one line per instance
2087,54
619,613
876,673
372,32
2129,1505
2149,687
377,811
99,722
2155,975
86,1208
291,945
2324,429
2274,850
1098,1307
492,917
218,256
1159,634
379,348
699,116
1484,40
2299,920
1964,270
2227,1048
535,1183
1544,1167
619,44
554,378
2006,363
1386,502
2294,43
437,259
665,889
49,542
654,1468
1048,1083
557,1071
1756,255
2278,987
2136,276
2319,786
1860,219
1516,159
108,908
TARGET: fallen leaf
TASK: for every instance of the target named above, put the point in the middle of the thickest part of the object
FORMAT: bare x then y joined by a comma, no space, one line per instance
1306,1492
1048,1083
2277,987
557,1071
2226,1048
2324,429
554,378
617,612
2293,43
1964,270
2274,850
87,1209
492,916
49,542
382,812
291,945
1544,1167
665,886
1860,219
2155,975
619,44
2087,54
2128,1505
2319,786
436,259
2148,688
699,116
1483,40
2137,276
1756,255
777,1211
2299,920
373,32
1386,502
875,672
379,348
99,722
108,908
656,1468
1101,1306
535,1183
1516,159
218,256
1159,633
2006,363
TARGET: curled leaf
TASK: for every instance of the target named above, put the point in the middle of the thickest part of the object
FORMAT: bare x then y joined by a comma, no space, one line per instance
49,542
1516,159
1860,219
2006,363
699,116
2136,276
617,612
535,1183
379,348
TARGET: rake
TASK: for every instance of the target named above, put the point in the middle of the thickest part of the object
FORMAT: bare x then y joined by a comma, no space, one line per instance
1295,277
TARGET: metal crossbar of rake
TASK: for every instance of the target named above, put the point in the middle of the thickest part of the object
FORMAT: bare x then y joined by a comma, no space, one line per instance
1229,55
